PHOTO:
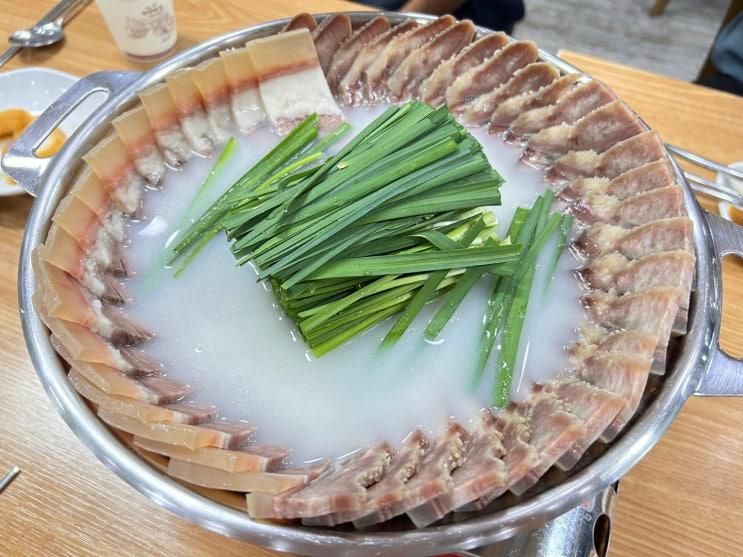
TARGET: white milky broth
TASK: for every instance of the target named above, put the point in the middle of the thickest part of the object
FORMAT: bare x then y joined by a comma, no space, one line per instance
221,332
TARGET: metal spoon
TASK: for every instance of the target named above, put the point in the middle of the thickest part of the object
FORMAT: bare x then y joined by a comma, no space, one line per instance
46,32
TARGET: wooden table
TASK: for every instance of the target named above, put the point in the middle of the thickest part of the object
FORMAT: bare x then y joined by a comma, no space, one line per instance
684,498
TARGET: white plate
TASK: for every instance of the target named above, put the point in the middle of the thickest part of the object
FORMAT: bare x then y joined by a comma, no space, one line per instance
34,89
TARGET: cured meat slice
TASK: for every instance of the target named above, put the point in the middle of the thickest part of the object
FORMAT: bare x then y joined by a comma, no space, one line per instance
595,407
404,82
134,130
152,390
492,73
554,430
245,99
89,189
527,79
433,89
669,268
209,434
64,298
349,49
211,80
63,252
341,490
256,482
300,21
190,109
141,411
291,82
520,457
573,105
160,109
620,373
483,472
597,131
628,154
328,37
434,476
654,237
510,109
650,176
111,163
597,339
651,311
350,87
649,206
251,458
396,51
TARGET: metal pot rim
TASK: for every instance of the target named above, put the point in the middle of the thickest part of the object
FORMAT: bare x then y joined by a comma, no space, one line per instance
698,349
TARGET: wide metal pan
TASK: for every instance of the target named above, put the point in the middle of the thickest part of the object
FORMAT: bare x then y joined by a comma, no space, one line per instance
698,366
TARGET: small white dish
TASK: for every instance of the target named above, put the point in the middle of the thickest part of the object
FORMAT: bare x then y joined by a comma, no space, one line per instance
33,90
731,183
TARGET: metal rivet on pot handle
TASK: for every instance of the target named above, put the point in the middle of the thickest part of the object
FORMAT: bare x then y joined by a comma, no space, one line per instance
724,376
21,162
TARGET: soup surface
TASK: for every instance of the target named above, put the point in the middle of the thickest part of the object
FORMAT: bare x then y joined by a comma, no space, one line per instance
221,332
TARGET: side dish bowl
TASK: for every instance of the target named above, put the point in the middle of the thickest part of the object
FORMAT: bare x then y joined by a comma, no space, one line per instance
697,366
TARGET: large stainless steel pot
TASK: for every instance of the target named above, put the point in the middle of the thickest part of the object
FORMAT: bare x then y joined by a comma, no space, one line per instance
698,367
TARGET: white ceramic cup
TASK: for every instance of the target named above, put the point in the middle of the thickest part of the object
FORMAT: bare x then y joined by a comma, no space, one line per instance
144,30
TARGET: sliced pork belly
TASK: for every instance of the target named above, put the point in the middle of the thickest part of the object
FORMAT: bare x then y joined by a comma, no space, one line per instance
300,21
291,82
510,109
89,189
191,113
629,341
328,37
350,48
520,457
595,407
492,73
640,209
483,472
150,389
251,458
620,373
650,176
572,106
654,237
628,154
384,496
531,78
597,131
396,51
351,85
554,430
65,298
341,490
217,434
433,89
652,311
211,80
163,116
111,163
245,99
134,130
404,82
434,477
89,267
255,482
143,412
669,268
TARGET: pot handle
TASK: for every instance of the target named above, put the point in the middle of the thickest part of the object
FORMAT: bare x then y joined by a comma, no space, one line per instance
724,376
21,162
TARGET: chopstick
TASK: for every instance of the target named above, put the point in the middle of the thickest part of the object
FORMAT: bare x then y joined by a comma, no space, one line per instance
9,477
705,186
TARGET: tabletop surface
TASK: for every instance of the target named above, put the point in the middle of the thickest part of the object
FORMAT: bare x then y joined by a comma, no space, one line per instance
684,498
